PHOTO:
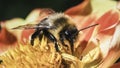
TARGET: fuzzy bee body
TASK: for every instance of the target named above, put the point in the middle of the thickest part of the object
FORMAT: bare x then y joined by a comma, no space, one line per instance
57,27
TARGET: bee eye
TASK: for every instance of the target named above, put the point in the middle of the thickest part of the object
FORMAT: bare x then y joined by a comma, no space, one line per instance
71,33
66,32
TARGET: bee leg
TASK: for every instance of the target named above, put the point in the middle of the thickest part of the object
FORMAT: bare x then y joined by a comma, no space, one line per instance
34,35
70,39
62,38
52,38
71,43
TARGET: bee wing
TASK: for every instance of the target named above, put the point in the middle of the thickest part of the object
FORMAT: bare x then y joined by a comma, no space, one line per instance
28,26
32,26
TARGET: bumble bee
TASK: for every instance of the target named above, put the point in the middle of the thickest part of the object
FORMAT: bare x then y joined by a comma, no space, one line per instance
56,27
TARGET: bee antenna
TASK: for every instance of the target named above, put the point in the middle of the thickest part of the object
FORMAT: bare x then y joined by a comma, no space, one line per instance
88,27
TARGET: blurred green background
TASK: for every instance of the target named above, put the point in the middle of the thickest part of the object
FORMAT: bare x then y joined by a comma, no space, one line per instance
21,8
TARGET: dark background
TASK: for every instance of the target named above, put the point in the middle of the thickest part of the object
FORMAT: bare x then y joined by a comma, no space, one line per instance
21,8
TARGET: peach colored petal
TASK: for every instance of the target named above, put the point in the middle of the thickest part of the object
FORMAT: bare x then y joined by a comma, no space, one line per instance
103,34
25,37
110,59
37,15
6,37
80,9
116,65
114,49
9,24
9,37
108,20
